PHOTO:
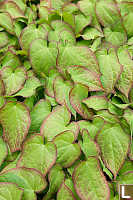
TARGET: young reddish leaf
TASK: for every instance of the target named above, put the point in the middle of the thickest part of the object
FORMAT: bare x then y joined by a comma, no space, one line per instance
67,150
86,77
65,193
96,102
89,180
114,145
13,79
37,155
60,118
76,95
10,191
15,120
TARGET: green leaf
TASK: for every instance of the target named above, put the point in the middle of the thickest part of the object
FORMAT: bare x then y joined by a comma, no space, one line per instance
28,179
96,102
89,180
56,177
10,59
1,87
128,166
61,93
65,193
76,95
114,144
12,8
3,39
10,191
30,86
15,120
37,155
67,150
83,56
29,34
13,79
39,112
88,146
81,21
110,69
60,118
125,81
2,101
4,150
42,57
86,77
92,127
126,178
91,34
6,22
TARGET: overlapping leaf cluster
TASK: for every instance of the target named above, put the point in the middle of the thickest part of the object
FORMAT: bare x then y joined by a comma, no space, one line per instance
66,99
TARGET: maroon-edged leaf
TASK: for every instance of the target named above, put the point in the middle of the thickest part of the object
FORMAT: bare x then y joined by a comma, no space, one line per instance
1,87
86,77
58,122
76,95
89,181
6,22
13,79
110,69
35,154
61,92
15,120
65,193
114,145
68,151
83,56
125,81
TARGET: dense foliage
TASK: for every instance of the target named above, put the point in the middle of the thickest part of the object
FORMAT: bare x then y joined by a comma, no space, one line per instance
66,99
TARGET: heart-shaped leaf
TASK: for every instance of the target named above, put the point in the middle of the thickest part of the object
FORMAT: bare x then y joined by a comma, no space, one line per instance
3,39
29,34
15,120
114,145
42,57
13,79
67,150
60,118
89,180
37,155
